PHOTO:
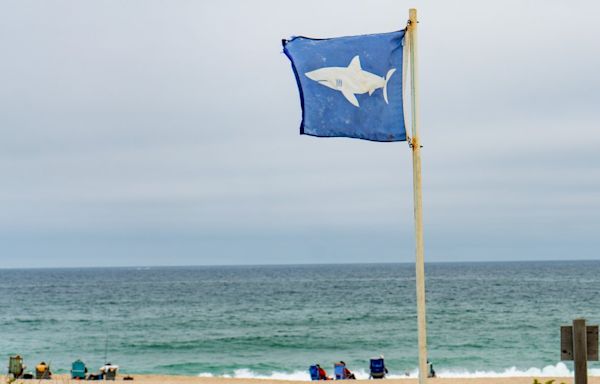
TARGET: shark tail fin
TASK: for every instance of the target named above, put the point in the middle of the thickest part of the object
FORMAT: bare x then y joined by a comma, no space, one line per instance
387,78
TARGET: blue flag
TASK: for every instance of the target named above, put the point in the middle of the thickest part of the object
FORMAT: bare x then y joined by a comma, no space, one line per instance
350,86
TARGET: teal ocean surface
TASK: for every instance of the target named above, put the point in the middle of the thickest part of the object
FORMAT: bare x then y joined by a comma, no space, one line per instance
484,319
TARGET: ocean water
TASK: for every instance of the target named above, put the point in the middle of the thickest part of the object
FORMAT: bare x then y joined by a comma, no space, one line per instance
484,319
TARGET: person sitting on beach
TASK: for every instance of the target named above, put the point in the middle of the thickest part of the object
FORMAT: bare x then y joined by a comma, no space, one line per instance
349,375
108,367
43,371
377,368
322,373
109,371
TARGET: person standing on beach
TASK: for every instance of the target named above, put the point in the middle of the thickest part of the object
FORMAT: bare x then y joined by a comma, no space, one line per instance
431,371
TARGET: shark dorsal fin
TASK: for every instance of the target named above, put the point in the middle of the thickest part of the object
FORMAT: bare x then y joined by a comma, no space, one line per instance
355,64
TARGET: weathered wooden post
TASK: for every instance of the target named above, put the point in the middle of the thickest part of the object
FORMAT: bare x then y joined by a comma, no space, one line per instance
580,351
580,344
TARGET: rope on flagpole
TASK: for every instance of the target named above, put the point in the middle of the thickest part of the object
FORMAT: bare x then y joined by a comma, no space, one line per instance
405,63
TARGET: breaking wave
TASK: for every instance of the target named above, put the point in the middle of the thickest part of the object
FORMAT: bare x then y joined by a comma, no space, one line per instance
558,370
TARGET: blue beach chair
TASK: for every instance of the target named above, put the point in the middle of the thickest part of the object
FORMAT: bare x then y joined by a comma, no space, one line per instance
314,372
78,370
377,368
340,372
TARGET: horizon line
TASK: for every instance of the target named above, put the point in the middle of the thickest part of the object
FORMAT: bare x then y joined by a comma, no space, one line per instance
299,264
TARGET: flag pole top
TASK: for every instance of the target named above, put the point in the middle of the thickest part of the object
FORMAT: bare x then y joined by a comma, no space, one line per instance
412,18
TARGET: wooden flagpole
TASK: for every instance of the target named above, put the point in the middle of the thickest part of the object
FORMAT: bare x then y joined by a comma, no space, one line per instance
416,152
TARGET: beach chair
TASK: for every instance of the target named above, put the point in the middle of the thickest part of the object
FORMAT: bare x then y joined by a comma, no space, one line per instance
16,367
78,370
314,372
109,371
42,371
111,374
377,368
340,371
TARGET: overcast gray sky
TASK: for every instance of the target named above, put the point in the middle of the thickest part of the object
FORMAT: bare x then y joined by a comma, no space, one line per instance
166,133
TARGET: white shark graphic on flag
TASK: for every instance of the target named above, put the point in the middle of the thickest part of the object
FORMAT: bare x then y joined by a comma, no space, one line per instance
351,80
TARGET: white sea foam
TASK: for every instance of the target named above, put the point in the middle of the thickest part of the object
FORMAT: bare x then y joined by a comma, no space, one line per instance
558,370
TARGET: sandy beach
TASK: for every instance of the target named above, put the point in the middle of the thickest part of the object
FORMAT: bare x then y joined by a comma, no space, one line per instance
171,379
